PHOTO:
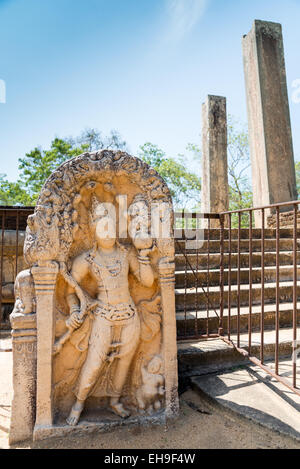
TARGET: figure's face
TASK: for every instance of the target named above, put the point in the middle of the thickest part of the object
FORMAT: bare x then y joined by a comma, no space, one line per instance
104,235
105,225
27,296
28,303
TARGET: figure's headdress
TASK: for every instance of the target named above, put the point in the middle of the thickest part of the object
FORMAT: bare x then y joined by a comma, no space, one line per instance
98,209
139,206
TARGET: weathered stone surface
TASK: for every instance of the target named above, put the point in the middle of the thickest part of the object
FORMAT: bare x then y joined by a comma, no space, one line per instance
271,147
215,195
23,320
106,326
286,220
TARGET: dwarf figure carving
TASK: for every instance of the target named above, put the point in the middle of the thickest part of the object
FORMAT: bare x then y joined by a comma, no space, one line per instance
25,302
152,390
115,329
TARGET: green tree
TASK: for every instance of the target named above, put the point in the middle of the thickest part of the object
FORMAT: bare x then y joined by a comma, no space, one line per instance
38,164
93,140
240,191
184,185
11,193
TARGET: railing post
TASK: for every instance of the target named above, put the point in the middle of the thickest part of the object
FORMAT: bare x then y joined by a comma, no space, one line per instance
262,314
295,278
1,264
221,329
250,281
277,317
229,275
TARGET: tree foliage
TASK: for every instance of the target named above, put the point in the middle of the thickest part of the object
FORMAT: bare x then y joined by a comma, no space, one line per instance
37,165
184,185
240,191
12,193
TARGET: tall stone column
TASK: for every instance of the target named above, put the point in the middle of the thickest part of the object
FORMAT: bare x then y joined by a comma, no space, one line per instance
45,276
273,168
24,377
167,282
215,195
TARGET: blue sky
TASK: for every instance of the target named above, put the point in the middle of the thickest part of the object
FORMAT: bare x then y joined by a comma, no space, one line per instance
143,67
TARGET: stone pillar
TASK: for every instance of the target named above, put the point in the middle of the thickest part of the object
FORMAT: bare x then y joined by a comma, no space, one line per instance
271,147
167,283
24,377
45,276
215,194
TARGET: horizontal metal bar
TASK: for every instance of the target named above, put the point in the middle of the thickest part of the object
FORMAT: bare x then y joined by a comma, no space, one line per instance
196,338
282,204
194,215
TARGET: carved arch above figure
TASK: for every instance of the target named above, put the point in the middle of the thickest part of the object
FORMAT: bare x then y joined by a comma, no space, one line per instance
54,224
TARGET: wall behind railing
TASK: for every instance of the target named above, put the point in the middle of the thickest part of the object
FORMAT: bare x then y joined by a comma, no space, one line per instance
13,222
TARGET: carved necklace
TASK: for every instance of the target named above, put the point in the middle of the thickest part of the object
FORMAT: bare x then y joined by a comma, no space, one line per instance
114,267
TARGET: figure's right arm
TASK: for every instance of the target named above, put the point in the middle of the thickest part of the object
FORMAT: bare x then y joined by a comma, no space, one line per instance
78,272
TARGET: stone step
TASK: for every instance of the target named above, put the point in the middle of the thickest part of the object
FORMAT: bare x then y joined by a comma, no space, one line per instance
285,244
191,299
202,357
201,261
197,323
214,234
212,278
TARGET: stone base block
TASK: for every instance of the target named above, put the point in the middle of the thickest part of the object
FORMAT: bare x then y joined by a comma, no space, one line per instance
61,430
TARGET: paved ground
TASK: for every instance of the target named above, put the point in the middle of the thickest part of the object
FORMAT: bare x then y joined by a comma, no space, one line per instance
201,425
249,391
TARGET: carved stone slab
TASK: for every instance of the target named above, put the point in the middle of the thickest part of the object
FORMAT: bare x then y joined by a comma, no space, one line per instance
100,249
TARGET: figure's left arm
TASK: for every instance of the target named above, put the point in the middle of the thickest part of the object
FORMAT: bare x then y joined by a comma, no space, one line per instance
141,267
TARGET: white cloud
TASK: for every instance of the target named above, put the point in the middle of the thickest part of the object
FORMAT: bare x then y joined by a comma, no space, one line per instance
184,15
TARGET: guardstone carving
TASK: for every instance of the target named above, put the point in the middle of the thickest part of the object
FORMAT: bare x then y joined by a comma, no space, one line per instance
104,293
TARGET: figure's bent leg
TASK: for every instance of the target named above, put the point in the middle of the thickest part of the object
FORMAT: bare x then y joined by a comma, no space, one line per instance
90,372
122,368
88,377
129,337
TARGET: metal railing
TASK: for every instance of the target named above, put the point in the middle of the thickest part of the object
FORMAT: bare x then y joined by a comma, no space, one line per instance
12,219
250,347
204,271
193,317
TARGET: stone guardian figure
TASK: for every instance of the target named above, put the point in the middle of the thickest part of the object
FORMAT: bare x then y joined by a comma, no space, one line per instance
116,325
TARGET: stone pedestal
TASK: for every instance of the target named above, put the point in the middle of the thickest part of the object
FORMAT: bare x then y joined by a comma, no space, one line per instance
215,194
273,168
24,377
45,281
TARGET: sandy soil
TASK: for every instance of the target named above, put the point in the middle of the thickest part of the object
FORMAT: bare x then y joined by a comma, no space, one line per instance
200,425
